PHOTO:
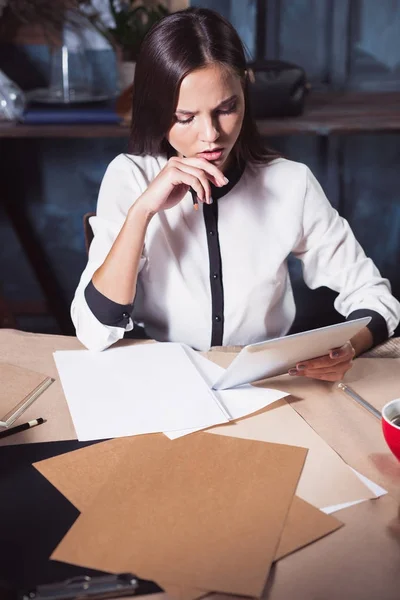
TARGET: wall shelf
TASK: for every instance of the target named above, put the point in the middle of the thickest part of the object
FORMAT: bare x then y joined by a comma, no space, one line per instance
325,114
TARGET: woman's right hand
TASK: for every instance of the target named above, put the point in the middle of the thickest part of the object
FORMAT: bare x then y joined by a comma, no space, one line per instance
174,181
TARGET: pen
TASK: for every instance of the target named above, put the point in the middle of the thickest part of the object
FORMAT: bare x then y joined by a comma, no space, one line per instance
347,390
23,427
195,200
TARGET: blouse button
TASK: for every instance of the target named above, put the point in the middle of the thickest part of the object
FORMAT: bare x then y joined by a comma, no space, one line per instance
211,233
215,275
125,315
217,318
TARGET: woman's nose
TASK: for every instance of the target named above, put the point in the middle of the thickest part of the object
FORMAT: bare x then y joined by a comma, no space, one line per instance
209,131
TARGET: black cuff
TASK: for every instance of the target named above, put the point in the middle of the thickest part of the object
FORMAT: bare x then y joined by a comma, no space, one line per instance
377,325
105,310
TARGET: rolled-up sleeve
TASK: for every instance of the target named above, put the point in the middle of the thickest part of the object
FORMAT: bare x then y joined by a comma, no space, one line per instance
105,310
332,257
118,191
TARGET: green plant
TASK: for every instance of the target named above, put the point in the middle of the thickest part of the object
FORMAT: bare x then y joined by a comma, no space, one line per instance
132,21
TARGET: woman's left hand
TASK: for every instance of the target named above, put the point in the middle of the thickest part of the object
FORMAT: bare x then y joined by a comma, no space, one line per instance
331,367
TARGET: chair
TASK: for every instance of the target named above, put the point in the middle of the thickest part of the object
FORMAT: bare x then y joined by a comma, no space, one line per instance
87,230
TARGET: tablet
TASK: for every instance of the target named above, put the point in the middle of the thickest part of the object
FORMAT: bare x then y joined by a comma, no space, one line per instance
275,357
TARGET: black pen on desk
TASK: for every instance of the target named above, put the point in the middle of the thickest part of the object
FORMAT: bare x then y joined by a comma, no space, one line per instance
24,427
350,392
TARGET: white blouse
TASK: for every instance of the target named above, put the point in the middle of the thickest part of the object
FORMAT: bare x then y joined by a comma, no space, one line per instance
272,211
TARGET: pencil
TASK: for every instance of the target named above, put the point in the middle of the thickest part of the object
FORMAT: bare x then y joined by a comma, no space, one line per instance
347,390
195,199
23,427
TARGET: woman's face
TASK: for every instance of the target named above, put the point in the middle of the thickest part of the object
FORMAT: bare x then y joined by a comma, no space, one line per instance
209,115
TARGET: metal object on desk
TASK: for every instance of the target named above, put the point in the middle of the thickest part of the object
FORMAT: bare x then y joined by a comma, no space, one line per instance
350,392
93,588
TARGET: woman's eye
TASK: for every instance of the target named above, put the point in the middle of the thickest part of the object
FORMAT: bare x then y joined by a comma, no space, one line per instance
227,111
184,121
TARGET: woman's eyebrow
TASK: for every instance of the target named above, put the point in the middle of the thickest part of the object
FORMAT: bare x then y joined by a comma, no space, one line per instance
181,111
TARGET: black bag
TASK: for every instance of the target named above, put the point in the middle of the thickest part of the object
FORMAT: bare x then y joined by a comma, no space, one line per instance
277,89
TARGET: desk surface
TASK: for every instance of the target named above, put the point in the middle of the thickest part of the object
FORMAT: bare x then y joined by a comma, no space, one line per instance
358,561
325,113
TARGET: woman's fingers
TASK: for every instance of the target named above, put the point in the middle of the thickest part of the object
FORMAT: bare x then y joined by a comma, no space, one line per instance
215,174
331,367
333,373
205,189
342,352
179,174
182,177
336,356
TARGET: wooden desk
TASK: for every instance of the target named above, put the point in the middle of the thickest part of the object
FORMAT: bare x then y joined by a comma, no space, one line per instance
361,560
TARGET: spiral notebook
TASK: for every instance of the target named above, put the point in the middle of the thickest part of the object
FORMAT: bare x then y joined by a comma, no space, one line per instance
19,388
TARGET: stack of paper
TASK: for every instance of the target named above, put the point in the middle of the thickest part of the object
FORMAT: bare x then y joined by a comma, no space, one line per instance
206,513
202,512
150,388
115,394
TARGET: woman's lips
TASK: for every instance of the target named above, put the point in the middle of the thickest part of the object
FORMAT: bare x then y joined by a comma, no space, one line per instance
211,155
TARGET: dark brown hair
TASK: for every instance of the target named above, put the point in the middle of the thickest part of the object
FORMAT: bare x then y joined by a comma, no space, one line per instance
178,44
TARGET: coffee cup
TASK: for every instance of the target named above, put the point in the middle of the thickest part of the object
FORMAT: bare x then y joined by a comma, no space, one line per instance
391,426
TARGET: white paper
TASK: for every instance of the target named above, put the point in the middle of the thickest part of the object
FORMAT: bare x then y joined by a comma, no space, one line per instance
134,390
239,402
374,487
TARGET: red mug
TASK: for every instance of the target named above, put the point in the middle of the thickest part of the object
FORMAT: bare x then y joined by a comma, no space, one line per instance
391,431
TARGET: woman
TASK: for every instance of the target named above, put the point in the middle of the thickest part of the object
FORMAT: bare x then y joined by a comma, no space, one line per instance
217,275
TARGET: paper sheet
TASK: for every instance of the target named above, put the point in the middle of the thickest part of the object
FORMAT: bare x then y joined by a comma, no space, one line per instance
80,475
376,490
134,390
345,425
180,512
239,402
326,479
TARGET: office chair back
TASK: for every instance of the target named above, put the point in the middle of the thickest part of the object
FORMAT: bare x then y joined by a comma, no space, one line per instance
87,230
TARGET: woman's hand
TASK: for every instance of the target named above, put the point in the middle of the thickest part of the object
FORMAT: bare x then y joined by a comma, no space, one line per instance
174,181
331,367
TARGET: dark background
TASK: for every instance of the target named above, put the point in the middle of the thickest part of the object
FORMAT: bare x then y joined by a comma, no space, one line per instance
342,45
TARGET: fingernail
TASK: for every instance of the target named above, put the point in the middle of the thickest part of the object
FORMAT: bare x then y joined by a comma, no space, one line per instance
301,367
226,180
292,372
335,354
